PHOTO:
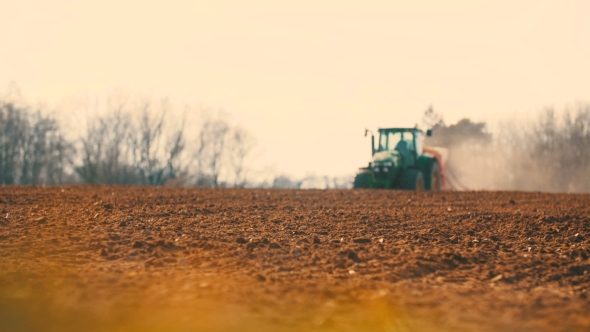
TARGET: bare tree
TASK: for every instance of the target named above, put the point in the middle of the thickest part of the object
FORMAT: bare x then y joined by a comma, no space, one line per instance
146,146
27,143
431,118
241,146
118,150
13,128
155,165
211,150
174,149
61,154
36,153
106,152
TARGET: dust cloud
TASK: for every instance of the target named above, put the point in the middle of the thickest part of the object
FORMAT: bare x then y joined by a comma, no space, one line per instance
548,153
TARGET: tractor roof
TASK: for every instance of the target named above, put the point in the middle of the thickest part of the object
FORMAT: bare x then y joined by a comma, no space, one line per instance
400,129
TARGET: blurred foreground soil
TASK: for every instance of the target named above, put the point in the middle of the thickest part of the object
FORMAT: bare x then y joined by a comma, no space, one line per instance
170,259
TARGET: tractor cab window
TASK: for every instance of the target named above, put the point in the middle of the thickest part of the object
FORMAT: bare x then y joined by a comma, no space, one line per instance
382,141
401,141
389,140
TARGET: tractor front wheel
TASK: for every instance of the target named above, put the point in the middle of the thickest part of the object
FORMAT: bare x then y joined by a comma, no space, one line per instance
412,179
362,180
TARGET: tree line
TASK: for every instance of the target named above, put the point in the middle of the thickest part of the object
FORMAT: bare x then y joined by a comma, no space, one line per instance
132,143
135,142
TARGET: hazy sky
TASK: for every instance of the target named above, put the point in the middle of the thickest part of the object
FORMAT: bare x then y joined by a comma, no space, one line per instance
306,77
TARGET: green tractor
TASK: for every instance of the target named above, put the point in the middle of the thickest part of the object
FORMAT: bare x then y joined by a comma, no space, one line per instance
401,161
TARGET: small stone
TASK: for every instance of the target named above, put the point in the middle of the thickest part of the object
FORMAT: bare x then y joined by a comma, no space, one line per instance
316,240
497,278
41,220
103,252
511,201
138,244
146,232
361,240
260,278
351,272
274,246
241,240
380,240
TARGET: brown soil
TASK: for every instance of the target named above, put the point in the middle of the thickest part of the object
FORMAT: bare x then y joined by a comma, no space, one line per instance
169,259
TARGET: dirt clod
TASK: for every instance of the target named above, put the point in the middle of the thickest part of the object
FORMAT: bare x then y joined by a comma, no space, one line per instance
40,220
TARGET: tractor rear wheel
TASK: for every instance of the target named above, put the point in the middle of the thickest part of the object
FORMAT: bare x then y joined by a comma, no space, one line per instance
362,180
412,179
432,179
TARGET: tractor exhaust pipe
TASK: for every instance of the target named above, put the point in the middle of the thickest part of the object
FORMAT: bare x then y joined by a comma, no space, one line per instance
372,140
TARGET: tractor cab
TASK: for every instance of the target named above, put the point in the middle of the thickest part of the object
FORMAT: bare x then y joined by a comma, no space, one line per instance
401,139
407,142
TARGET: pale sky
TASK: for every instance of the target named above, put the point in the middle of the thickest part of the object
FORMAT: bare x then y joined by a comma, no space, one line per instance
306,77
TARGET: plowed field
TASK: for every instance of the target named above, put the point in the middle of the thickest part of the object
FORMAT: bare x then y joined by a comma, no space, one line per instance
169,259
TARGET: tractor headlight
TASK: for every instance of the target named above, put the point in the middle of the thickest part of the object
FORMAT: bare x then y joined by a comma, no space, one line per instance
376,169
